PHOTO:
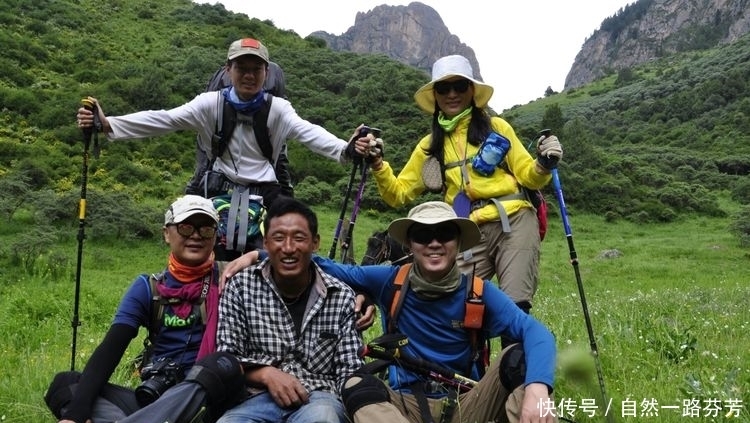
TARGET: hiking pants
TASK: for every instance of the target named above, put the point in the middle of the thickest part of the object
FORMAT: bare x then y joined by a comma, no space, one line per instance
488,401
113,404
512,256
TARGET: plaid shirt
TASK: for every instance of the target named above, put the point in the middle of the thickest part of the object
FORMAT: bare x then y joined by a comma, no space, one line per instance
255,326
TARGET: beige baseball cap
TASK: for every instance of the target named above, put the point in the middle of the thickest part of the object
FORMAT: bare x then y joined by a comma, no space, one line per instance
247,46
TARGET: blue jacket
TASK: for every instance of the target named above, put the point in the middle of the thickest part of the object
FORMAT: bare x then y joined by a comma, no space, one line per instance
434,328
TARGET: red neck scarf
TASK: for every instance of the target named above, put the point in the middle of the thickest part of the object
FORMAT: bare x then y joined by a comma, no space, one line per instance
188,274
192,277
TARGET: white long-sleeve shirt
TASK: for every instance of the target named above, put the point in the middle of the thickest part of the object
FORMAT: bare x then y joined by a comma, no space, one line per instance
243,161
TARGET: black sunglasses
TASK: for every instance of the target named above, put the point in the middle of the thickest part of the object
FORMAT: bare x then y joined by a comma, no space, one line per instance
444,87
425,234
187,230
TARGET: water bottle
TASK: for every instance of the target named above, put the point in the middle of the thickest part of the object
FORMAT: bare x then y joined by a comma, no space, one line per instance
491,153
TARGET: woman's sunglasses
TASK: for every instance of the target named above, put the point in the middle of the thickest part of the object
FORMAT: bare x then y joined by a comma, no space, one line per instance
444,87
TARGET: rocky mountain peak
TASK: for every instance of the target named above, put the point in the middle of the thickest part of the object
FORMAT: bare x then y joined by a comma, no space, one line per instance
414,34
649,29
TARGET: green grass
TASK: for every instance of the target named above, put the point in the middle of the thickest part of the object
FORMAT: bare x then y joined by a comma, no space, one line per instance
670,316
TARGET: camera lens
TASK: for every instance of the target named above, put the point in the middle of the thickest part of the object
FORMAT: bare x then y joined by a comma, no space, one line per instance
149,391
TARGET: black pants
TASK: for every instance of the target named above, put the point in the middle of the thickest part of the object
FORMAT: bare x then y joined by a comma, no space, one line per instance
113,403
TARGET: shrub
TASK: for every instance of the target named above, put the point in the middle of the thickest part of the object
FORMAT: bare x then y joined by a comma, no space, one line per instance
741,191
740,226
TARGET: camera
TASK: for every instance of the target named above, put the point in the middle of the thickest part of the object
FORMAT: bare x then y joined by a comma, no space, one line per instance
157,377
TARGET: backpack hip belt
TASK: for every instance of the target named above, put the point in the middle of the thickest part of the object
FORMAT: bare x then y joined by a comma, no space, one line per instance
497,201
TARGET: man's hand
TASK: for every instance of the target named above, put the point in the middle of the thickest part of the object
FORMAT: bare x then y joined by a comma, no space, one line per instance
355,150
85,117
286,390
548,151
234,266
535,399
367,318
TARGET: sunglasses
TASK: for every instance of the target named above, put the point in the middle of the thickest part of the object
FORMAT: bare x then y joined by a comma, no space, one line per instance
460,86
425,234
187,230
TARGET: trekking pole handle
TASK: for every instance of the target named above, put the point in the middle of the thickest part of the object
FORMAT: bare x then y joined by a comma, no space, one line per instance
91,106
89,131
558,190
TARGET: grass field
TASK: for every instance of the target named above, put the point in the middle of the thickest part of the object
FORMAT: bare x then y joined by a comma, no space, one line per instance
670,316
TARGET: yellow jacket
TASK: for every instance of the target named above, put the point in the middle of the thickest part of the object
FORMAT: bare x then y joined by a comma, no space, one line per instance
399,190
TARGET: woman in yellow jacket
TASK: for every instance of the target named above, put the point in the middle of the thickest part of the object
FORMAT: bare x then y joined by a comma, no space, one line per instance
484,187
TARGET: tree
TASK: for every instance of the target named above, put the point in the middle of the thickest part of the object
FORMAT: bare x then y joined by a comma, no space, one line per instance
553,118
15,187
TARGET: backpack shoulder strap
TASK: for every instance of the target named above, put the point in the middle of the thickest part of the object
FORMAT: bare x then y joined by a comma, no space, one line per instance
260,127
223,133
474,316
473,322
157,306
400,284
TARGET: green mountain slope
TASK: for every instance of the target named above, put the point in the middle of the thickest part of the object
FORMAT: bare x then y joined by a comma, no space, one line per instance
646,144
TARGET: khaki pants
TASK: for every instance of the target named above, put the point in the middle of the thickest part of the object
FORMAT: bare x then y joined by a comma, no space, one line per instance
488,401
512,256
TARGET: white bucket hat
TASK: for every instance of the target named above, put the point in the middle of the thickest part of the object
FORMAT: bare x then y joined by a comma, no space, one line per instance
448,67
433,213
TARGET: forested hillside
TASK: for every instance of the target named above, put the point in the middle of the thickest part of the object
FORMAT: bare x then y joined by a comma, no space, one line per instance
645,144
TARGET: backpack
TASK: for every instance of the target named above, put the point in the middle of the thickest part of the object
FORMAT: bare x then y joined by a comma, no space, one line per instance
536,198
228,236
274,86
223,133
473,316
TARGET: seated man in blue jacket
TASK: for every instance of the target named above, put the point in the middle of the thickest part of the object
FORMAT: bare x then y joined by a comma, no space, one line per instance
517,385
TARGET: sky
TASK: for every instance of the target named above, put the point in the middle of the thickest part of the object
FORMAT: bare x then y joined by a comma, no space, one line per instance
522,46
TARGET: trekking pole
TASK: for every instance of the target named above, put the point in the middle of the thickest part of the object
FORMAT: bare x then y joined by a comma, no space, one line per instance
88,132
345,246
358,161
579,282
353,217
337,232
388,347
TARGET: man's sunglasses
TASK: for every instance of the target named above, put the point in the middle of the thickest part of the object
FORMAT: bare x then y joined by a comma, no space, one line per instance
425,234
187,230
444,87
